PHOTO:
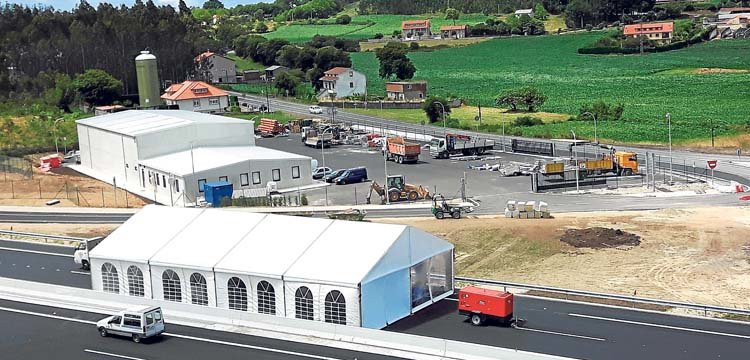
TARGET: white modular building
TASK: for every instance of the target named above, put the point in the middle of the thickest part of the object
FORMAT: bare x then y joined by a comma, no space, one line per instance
167,155
350,273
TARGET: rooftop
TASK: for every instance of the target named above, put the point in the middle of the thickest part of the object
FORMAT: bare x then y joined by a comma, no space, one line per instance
337,70
192,90
452,27
415,24
139,122
649,28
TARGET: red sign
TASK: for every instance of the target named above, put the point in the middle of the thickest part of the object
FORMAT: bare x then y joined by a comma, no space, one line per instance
711,164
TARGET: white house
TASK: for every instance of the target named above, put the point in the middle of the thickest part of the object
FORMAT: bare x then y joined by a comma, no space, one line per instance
341,82
342,272
215,68
197,96
166,155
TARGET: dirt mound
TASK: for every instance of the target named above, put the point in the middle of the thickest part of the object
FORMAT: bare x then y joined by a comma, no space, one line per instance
704,71
599,237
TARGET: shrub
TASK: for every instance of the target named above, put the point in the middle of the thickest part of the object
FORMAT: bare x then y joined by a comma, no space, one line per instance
344,19
528,121
378,36
414,46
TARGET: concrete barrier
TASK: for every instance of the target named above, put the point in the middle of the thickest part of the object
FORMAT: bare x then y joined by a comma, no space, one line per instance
313,332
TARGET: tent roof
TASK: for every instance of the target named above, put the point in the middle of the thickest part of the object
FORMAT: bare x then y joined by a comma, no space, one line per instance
139,122
205,158
256,255
139,238
210,236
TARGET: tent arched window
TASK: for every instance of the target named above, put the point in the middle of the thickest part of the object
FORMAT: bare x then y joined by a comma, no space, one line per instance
303,304
171,285
335,308
266,298
135,281
198,289
237,293
110,280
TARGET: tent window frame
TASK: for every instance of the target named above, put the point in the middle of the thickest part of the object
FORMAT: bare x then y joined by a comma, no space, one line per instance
135,281
303,304
198,289
266,296
110,278
237,294
335,308
171,286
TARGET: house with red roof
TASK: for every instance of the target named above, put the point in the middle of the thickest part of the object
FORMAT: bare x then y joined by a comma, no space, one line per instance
341,82
415,29
453,31
197,96
214,68
660,32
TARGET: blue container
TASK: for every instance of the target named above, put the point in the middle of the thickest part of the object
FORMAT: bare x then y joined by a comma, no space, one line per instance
214,192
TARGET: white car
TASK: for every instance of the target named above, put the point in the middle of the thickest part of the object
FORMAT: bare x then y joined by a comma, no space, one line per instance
315,109
137,324
320,172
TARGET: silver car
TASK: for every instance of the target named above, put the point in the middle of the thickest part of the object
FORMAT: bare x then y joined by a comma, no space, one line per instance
137,323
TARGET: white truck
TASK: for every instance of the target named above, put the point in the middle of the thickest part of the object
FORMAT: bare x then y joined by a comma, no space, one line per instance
81,256
453,144
137,323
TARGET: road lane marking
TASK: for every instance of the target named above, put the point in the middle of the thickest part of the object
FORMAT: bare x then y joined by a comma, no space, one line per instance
79,272
34,252
560,334
660,326
187,337
111,355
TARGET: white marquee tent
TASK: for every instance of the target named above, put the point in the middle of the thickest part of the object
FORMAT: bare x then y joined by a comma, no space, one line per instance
354,273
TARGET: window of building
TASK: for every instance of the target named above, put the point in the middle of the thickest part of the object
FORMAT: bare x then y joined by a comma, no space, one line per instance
157,180
295,172
171,285
303,304
176,185
237,294
351,73
223,178
351,85
135,281
213,102
110,281
198,289
201,182
276,173
197,103
244,181
150,175
421,95
256,177
164,181
335,308
266,298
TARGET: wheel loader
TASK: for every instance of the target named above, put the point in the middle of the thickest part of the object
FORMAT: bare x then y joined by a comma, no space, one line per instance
398,190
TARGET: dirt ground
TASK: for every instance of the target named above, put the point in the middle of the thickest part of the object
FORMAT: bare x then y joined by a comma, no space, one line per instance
697,255
66,185
77,230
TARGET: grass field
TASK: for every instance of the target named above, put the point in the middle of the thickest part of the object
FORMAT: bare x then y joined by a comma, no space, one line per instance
465,115
648,85
427,44
245,64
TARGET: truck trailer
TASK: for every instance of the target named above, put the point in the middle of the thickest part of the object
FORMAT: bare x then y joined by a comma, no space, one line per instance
399,150
481,304
453,144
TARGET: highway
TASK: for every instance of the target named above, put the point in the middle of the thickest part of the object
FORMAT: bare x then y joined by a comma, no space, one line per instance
41,332
554,327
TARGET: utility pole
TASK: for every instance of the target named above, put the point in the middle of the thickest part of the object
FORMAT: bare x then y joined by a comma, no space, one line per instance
669,127
575,154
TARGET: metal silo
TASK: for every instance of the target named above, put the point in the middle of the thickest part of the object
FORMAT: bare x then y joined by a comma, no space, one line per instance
149,93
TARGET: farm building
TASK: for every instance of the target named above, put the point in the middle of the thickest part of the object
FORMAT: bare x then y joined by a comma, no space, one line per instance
659,32
343,272
167,155
214,68
406,90
453,31
415,29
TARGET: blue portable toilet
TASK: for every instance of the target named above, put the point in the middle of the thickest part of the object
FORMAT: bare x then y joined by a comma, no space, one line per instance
214,192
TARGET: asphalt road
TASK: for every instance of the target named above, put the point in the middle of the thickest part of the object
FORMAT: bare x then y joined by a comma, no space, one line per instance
41,332
102,217
42,263
552,327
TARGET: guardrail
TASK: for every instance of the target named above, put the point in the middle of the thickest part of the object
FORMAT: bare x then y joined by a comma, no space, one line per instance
633,299
19,235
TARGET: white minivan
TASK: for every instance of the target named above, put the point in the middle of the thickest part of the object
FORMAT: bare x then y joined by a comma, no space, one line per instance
137,323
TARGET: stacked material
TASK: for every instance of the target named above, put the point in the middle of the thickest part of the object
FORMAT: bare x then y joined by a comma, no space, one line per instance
527,210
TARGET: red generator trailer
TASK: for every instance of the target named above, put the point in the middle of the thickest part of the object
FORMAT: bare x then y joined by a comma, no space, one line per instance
481,304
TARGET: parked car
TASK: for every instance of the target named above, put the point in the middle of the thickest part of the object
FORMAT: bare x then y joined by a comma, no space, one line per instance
331,177
318,173
137,323
353,175
315,109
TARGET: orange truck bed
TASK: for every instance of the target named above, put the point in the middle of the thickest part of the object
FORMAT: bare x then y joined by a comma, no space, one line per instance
403,151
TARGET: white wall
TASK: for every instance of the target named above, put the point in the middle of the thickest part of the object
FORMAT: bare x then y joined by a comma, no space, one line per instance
343,80
205,105
108,153
319,291
122,274
184,274
251,282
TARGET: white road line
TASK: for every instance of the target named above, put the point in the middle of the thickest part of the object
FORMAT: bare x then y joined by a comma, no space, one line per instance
660,326
34,252
80,272
187,337
112,355
560,334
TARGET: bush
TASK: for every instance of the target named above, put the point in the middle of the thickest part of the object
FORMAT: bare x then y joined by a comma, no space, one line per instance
414,46
303,200
528,121
344,19
378,36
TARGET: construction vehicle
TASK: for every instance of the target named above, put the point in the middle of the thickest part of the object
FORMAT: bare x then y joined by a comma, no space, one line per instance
453,144
453,207
398,190
399,150
313,137
622,163
481,304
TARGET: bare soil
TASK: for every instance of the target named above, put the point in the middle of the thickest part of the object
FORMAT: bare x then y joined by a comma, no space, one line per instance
599,237
703,71
699,255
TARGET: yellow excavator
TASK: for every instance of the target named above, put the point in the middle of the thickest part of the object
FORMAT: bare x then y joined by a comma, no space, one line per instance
398,190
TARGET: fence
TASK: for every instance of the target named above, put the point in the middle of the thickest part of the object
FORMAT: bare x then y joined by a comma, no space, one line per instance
15,168
590,294
76,193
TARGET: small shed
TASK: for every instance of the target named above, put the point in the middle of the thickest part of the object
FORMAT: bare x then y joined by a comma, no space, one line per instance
217,191
275,70
251,75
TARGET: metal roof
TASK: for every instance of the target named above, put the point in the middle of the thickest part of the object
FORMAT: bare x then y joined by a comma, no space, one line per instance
139,122
204,158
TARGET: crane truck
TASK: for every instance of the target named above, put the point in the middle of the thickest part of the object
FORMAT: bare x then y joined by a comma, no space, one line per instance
454,144
399,150
622,163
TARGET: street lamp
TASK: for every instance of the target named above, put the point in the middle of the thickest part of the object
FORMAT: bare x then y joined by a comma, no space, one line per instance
575,154
669,131
385,167
596,138
54,125
443,109
323,154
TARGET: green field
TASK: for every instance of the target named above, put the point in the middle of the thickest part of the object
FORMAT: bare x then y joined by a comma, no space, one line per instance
245,64
649,85
365,26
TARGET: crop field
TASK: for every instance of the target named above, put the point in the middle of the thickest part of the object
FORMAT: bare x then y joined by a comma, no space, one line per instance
365,26
692,84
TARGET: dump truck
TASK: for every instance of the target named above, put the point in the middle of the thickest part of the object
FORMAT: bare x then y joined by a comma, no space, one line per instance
398,190
312,137
481,304
399,150
453,144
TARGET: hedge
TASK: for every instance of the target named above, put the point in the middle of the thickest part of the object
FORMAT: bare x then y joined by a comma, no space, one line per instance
604,50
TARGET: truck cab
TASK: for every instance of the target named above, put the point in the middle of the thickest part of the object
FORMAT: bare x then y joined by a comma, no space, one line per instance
137,323
81,255
437,147
627,162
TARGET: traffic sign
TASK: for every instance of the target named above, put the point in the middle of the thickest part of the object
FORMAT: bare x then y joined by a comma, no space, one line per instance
711,164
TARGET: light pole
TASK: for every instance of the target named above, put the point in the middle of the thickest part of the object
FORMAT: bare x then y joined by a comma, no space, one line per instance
593,116
669,131
54,125
385,166
443,109
323,154
575,154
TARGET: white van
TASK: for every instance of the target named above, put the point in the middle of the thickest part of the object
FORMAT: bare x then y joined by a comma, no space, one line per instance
81,255
137,323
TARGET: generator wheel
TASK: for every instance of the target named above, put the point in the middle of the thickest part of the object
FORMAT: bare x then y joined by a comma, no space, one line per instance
439,215
456,214
413,196
394,195
477,319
